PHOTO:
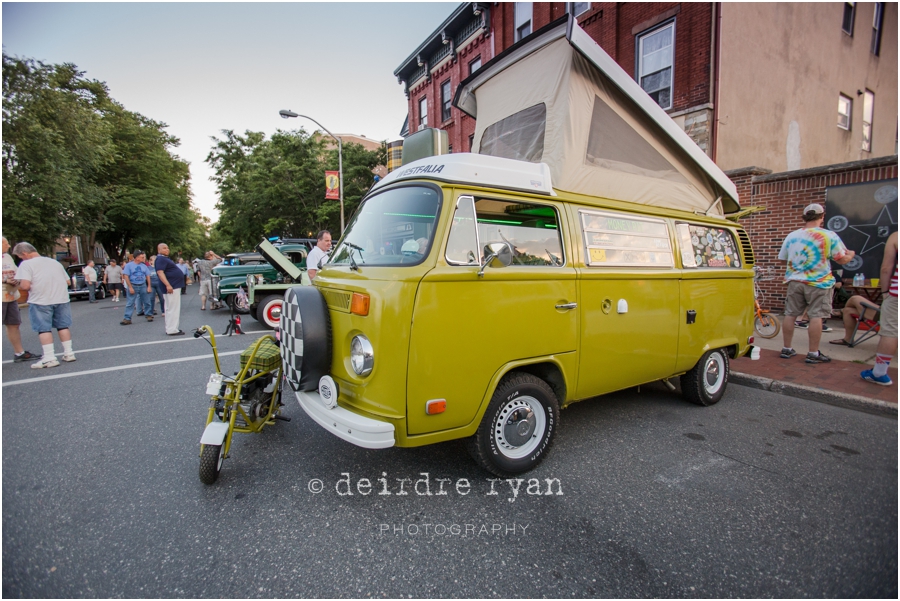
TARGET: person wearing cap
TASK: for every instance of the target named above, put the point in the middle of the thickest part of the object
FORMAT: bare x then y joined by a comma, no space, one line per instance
807,252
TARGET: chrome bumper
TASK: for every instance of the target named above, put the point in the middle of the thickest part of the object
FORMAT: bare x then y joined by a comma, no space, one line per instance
362,431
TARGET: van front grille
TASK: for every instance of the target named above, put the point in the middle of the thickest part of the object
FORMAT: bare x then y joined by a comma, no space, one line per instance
749,259
337,300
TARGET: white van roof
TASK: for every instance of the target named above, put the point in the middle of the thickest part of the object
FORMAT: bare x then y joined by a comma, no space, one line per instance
478,170
557,98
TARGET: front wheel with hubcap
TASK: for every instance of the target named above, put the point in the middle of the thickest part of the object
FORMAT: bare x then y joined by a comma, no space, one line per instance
238,305
211,457
705,383
518,427
268,312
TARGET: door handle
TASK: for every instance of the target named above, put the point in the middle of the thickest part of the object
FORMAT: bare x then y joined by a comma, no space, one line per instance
567,306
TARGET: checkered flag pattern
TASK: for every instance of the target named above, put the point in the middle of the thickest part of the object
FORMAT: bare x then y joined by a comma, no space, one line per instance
291,339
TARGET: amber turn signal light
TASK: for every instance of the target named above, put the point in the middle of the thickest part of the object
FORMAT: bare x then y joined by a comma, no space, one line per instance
436,406
359,304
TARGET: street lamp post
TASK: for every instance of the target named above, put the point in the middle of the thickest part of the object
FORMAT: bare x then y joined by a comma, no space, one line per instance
289,114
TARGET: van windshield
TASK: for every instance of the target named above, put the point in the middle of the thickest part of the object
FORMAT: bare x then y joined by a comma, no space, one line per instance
395,227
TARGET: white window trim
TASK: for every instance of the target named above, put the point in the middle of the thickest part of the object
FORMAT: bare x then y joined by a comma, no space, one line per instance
640,58
570,7
423,122
868,116
849,113
852,17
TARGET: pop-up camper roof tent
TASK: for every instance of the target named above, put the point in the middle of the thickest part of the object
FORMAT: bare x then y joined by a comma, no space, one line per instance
558,98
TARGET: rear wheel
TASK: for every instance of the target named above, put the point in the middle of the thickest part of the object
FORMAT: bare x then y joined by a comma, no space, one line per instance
268,312
235,304
767,325
211,457
705,383
518,427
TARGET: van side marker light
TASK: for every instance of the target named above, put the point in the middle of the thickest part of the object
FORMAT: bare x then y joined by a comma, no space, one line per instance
435,406
359,304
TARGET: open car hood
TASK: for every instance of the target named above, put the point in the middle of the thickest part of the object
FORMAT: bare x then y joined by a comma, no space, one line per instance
278,260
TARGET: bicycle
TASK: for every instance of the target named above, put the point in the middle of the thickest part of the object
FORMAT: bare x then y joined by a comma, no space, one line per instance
765,324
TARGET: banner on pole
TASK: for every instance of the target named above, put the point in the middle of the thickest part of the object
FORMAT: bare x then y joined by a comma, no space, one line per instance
332,183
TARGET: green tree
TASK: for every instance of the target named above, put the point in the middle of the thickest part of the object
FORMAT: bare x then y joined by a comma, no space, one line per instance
276,186
77,162
55,142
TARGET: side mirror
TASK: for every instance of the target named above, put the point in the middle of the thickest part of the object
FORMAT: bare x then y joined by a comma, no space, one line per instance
496,254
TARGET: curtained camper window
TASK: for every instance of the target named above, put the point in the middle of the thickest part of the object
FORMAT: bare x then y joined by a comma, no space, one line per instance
519,136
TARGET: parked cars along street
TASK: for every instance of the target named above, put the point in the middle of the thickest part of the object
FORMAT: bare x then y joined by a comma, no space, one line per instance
231,275
77,289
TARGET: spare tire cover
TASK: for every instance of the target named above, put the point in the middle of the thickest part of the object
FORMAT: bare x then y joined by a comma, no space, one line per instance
305,337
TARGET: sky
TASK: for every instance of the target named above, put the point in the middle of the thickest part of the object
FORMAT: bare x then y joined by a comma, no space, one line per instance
201,68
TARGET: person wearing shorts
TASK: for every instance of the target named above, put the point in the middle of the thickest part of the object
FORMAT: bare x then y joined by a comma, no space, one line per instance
807,252
204,272
48,302
112,277
887,343
11,317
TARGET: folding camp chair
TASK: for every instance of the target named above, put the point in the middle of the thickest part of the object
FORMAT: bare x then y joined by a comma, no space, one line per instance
865,328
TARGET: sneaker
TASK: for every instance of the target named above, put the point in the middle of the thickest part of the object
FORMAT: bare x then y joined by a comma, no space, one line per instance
817,358
803,325
25,356
125,322
149,318
42,364
869,376
825,327
68,358
787,353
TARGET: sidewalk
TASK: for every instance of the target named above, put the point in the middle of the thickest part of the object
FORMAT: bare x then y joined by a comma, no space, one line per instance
836,383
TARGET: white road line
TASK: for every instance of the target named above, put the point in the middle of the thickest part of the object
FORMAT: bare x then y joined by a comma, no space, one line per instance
116,368
179,339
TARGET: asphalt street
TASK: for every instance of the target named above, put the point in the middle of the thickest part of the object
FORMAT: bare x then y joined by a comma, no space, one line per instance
643,494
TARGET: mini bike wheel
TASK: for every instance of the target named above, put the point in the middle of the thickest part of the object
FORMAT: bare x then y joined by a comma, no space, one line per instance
767,325
211,457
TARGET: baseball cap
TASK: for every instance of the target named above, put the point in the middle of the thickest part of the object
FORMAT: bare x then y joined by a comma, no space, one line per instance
814,208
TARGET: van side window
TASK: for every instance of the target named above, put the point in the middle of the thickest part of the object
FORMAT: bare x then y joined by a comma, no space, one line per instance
618,240
531,229
705,246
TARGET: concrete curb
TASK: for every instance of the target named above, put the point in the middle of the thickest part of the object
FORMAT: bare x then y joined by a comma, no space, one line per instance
850,401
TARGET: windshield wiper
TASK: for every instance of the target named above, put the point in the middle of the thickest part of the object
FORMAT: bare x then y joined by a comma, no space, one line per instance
358,249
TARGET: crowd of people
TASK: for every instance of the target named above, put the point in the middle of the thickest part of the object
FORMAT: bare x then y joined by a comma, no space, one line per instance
142,280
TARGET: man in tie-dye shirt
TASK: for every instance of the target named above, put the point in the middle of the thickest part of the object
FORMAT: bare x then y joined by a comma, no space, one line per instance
808,276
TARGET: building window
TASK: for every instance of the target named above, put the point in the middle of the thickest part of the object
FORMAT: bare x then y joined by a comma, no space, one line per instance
446,98
868,110
523,19
845,109
475,65
578,8
849,18
423,112
471,142
656,62
877,25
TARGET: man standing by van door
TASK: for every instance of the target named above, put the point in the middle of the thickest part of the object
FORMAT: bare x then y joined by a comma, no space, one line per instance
808,276
318,256
173,279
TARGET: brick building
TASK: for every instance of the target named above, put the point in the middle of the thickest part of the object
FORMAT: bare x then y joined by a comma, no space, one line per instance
782,85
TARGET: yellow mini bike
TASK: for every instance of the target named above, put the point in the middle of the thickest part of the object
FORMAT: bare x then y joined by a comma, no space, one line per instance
245,402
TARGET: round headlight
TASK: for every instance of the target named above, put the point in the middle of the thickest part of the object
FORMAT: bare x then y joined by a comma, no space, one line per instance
362,358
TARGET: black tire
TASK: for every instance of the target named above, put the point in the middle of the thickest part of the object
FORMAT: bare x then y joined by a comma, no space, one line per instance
211,457
231,302
518,428
767,325
101,293
268,312
305,337
706,382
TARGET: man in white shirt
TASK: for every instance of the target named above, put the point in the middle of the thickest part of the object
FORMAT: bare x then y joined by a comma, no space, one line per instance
90,280
48,302
318,256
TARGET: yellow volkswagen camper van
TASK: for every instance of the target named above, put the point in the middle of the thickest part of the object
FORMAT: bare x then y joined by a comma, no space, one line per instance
583,249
